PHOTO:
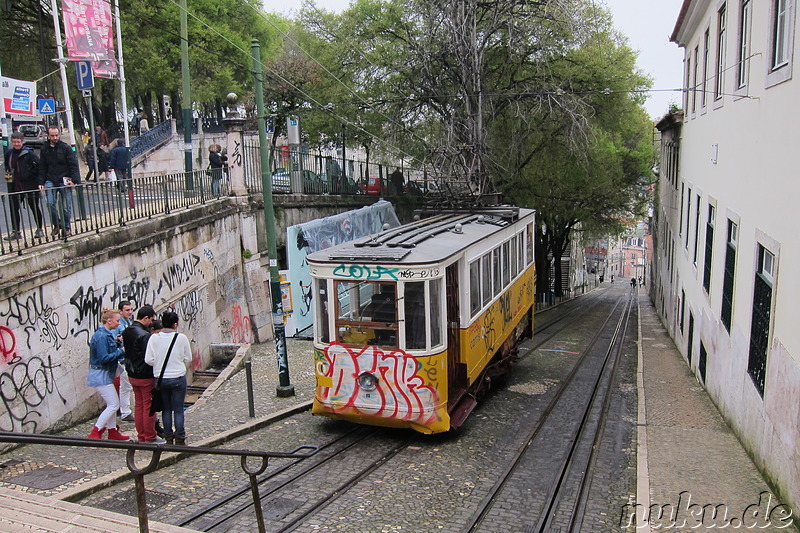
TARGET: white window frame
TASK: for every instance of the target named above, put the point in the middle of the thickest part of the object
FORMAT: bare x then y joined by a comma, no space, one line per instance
719,75
781,18
745,21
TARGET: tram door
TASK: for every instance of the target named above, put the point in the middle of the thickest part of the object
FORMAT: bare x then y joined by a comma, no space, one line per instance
456,371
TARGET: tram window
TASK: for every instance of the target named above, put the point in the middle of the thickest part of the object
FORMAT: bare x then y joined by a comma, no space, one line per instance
486,278
435,290
512,263
521,254
366,313
475,287
321,306
414,294
496,279
529,239
506,256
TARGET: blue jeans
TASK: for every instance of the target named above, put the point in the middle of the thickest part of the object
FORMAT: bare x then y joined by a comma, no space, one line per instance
173,393
64,206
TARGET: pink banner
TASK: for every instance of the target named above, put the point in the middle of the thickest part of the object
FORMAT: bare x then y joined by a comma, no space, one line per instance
106,69
88,29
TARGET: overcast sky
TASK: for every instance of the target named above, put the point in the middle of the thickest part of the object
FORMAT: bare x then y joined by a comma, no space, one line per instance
647,24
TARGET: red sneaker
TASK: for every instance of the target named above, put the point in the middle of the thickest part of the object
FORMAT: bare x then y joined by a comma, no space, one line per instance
114,434
96,433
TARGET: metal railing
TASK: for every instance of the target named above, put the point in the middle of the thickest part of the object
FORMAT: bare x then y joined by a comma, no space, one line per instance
295,171
28,219
153,138
156,450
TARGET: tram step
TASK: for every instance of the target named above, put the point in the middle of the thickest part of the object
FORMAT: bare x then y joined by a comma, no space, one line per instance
462,411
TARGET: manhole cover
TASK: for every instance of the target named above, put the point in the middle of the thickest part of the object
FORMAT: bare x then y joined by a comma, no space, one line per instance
279,507
124,502
46,478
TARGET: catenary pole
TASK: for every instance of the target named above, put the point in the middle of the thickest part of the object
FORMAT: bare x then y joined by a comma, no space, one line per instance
284,387
186,102
122,91
62,61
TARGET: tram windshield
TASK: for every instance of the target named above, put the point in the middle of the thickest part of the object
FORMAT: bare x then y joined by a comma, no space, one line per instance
366,312
405,315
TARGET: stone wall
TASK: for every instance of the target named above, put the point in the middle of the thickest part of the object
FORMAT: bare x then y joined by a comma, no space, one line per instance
51,302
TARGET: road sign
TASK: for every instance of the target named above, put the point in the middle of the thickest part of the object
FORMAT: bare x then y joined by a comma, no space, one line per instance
47,106
83,69
87,93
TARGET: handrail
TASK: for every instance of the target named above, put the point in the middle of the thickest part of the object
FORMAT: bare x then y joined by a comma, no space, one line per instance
157,449
150,139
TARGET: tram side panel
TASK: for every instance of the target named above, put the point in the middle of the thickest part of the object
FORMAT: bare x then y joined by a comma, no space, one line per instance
481,340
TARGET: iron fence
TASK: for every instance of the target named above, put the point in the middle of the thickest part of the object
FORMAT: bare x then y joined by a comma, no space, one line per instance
153,138
297,171
261,460
29,219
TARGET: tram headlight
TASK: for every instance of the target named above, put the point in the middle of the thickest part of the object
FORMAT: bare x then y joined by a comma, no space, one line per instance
367,381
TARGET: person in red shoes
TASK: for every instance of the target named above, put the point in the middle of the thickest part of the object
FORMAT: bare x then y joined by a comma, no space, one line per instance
105,351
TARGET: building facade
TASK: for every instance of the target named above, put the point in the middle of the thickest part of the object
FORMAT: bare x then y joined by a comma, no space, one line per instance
726,246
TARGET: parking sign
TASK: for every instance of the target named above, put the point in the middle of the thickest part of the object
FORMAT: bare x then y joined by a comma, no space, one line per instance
83,69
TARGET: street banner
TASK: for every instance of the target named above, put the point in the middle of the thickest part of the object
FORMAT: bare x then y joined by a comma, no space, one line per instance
88,28
19,97
106,69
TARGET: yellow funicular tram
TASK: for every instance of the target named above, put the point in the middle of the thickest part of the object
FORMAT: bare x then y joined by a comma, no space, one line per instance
412,324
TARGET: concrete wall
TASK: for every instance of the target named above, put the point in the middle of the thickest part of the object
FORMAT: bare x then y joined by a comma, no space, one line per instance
51,302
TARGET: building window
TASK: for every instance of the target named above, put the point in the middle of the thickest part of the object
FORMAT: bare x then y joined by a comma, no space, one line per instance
706,52
712,213
719,87
696,229
680,223
683,309
744,43
690,346
702,362
688,216
759,327
780,34
696,82
730,272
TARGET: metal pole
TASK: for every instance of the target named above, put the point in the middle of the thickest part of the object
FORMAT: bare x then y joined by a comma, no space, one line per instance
186,102
248,371
90,104
61,66
284,388
4,126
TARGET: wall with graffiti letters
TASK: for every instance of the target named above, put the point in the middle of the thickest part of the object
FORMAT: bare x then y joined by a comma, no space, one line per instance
46,321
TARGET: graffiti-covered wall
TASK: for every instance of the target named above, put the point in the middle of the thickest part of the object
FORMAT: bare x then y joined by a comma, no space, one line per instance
193,265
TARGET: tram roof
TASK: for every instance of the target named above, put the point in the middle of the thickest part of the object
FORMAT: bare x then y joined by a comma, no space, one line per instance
429,240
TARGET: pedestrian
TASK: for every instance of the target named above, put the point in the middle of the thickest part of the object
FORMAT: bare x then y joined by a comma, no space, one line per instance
169,352
612,278
633,282
397,181
22,169
121,382
104,353
58,173
88,156
215,165
156,327
144,126
100,137
118,159
140,374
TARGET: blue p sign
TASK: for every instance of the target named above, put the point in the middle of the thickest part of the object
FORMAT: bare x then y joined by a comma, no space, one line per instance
85,75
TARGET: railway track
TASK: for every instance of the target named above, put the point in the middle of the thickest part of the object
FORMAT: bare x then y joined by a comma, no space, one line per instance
557,494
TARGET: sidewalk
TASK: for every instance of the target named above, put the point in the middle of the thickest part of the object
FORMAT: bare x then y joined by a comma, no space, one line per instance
68,473
688,457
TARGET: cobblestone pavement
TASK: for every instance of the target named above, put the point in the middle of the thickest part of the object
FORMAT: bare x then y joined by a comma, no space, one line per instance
685,448
206,423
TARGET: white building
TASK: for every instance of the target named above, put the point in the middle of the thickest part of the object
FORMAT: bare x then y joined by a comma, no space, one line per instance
726,277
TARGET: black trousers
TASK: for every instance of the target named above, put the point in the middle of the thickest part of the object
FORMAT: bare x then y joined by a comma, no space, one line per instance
15,203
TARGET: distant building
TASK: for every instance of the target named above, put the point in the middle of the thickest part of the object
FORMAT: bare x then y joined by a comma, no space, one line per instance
725,268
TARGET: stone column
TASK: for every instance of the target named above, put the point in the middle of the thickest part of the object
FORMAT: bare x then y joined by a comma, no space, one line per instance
234,129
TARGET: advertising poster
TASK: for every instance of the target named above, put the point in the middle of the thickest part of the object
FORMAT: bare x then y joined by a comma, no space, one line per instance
88,30
319,234
19,97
